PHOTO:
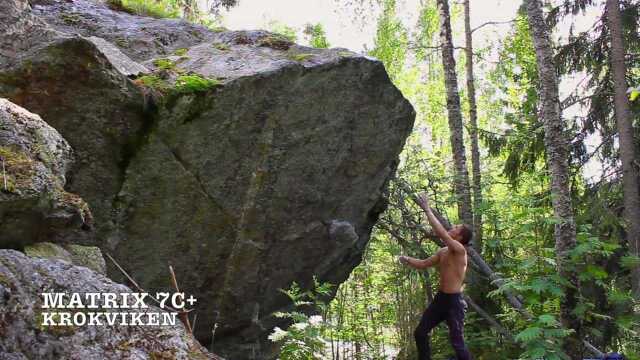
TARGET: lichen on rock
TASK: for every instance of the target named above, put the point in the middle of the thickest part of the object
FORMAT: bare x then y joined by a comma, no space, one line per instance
88,256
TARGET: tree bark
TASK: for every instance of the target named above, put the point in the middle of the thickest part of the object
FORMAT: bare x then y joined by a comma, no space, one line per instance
473,129
461,182
625,133
557,157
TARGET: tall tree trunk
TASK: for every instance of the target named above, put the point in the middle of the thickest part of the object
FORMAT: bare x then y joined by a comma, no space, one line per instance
473,129
625,134
461,182
557,152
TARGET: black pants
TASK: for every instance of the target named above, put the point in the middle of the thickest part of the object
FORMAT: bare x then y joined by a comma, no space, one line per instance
449,307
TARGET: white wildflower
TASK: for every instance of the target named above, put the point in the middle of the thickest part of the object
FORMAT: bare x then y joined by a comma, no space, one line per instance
315,320
517,70
277,334
300,326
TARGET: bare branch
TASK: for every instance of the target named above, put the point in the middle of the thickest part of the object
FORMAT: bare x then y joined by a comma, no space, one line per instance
492,23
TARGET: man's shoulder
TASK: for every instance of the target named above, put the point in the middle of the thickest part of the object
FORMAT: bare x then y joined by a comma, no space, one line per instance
446,251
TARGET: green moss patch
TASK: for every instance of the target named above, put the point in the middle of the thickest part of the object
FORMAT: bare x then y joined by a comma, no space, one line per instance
164,64
181,52
300,57
47,250
188,84
221,46
18,169
153,82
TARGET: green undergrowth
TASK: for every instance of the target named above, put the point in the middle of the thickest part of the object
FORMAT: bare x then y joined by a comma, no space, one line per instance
153,8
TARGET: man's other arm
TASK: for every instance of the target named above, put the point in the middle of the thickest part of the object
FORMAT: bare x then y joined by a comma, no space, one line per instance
421,264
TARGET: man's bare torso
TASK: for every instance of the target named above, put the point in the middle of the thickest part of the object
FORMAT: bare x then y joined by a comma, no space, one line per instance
452,268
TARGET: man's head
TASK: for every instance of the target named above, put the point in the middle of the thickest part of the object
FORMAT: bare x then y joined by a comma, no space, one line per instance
461,233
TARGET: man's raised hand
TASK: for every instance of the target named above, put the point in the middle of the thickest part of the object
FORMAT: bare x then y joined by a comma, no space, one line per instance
423,200
404,260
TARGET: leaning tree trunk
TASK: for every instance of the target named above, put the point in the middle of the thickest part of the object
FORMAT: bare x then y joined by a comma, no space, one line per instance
625,134
461,182
473,129
557,152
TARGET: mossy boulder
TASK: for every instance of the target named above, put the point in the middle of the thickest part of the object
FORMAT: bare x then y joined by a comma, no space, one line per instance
23,335
242,159
34,159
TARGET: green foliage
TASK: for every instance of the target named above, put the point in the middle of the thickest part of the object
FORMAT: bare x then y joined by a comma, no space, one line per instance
284,30
634,93
391,40
302,340
316,36
153,8
542,339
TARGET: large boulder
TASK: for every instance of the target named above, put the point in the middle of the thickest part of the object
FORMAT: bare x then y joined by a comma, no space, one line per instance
34,159
245,161
25,335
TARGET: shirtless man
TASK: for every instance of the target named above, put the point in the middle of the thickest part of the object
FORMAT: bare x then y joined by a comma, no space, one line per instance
448,304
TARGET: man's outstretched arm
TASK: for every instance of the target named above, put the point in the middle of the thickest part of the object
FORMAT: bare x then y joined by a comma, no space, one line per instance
420,264
423,201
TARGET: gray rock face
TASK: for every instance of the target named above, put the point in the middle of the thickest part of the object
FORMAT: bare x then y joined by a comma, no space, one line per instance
23,279
33,161
245,161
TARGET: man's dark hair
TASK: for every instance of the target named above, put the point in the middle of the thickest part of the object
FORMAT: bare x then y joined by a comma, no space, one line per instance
467,235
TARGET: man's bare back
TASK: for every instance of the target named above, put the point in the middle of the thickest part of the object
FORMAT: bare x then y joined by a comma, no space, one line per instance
452,268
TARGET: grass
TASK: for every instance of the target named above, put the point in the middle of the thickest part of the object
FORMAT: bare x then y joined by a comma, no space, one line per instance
164,64
188,84
154,8
153,82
